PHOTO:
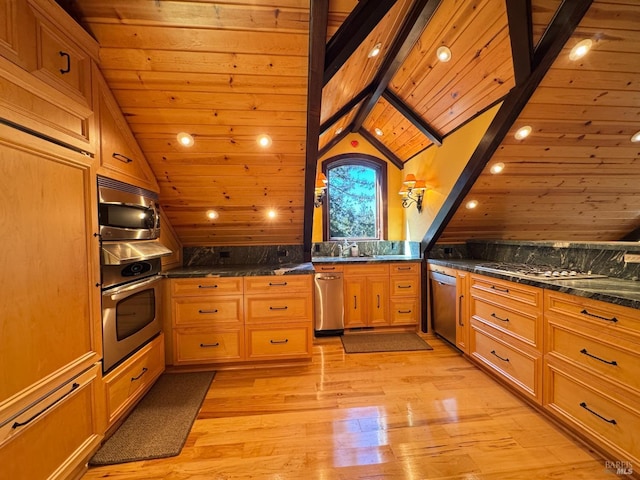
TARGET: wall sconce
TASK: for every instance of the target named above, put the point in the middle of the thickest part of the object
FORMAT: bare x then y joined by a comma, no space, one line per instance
320,190
412,191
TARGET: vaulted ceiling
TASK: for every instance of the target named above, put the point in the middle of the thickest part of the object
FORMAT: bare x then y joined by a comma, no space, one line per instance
300,71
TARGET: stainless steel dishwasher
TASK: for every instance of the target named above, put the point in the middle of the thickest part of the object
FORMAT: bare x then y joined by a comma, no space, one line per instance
443,306
329,304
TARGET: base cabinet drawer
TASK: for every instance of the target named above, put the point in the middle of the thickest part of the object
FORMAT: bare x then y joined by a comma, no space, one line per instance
204,345
208,311
611,422
127,383
272,342
54,437
264,308
404,311
521,368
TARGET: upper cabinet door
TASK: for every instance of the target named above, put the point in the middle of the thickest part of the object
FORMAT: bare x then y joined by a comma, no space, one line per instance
120,155
17,33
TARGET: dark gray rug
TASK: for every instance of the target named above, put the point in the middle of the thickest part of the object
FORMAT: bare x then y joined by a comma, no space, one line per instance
383,342
159,425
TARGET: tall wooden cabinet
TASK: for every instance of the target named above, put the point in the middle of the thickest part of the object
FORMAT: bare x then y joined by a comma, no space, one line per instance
50,319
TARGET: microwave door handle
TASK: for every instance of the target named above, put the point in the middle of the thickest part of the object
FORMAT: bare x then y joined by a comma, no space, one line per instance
124,291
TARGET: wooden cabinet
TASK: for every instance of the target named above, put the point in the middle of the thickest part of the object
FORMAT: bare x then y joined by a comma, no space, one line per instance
120,155
207,320
592,371
45,72
366,289
506,332
405,293
50,322
278,316
236,319
128,383
463,318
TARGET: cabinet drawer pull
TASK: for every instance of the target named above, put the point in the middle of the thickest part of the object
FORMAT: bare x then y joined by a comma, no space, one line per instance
121,157
460,322
324,269
500,289
404,311
493,352
404,268
209,345
67,57
612,319
144,370
585,352
612,421
499,318
278,308
404,286
207,286
275,342
31,419
283,284
215,310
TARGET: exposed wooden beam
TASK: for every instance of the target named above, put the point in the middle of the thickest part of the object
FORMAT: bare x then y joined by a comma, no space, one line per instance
318,21
346,108
418,17
382,148
553,40
521,35
358,25
426,129
335,140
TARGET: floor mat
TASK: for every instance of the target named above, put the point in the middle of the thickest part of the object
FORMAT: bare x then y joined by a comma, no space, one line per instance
383,342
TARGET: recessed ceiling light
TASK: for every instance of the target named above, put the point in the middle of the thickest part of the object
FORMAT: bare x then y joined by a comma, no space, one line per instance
212,214
523,132
635,138
185,139
272,214
471,204
443,53
378,132
264,140
497,168
580,49
338,130
375,51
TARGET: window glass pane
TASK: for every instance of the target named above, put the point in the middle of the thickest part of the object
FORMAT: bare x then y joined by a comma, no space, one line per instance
353,202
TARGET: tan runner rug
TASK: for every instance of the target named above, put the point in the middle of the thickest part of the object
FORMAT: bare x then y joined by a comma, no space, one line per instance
383,342
159,425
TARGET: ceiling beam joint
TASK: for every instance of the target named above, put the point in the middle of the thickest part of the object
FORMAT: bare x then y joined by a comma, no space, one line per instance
426,129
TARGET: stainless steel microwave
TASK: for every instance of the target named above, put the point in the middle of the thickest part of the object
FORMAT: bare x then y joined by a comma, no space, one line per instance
126,212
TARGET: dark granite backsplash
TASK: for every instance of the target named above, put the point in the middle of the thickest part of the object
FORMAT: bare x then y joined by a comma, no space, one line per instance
605,258
373,247
253,255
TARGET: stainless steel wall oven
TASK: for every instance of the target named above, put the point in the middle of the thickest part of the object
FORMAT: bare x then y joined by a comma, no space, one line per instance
130,266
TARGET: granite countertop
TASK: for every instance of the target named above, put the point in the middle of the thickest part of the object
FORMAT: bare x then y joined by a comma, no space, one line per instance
240,270
367,259
611,290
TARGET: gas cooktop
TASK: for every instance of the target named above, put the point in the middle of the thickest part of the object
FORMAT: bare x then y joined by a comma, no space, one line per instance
540,272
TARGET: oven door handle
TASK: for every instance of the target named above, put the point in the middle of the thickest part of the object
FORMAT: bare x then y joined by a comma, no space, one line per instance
122,292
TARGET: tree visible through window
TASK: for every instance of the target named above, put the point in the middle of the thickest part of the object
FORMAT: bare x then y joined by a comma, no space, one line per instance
354,197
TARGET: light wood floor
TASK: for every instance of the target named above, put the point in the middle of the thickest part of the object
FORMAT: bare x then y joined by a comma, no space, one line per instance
411,415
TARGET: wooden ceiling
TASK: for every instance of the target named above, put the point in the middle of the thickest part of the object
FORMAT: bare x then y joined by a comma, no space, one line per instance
227,71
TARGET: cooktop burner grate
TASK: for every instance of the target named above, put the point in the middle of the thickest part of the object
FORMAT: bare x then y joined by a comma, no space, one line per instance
542,272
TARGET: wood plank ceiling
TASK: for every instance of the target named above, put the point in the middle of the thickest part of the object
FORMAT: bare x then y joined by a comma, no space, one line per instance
577,176
229,70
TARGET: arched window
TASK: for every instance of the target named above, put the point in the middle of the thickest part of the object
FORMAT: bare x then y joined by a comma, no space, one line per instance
356,206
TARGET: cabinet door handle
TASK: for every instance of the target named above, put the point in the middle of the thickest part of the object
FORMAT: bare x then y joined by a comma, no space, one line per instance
31,419
283,284
121,157
355,302
493,352
585,352
499,318
215,310
209,345
460,322
67,58
275,342
500,289
378,296
278,308
612,421
144,370
612,319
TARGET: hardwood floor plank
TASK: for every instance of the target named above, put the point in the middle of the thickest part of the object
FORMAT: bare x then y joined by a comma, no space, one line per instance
403,415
